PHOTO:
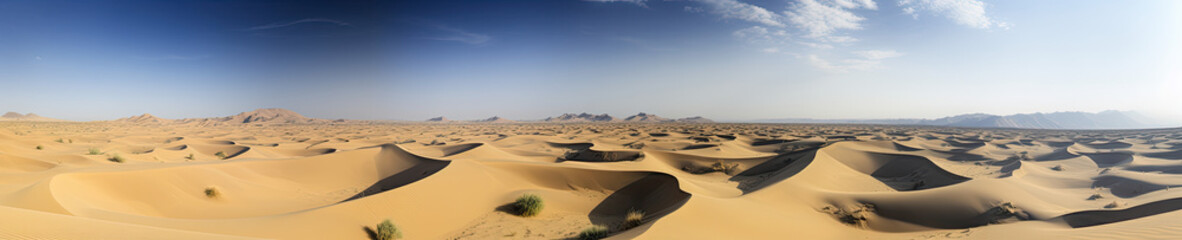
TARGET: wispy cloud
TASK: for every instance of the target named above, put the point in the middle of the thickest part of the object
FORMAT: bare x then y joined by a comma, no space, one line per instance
762,35
640,43
864,60
460,35
821,26
964,12
172,57
298,22
733,9
637,2
878,54
819,20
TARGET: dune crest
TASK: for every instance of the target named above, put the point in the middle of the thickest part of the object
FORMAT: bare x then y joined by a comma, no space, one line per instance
257,174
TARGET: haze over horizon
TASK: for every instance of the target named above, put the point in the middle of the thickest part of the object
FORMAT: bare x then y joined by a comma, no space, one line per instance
722,59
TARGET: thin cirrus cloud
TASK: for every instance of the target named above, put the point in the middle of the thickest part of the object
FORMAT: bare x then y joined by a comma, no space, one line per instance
172,57
865,60
964,12
637,2
298,22
733,9
819,20
460,35
819,25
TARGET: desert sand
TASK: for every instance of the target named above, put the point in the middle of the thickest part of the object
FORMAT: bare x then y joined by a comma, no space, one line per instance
152,178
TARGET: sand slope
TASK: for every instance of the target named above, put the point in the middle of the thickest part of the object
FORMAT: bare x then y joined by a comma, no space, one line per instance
181,180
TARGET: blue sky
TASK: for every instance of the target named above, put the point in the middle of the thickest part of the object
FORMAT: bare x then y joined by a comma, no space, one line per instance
722,59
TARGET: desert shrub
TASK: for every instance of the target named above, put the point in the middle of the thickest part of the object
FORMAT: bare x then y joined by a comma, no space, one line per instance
221,155
633,219
59,140
725,168
93,151
190,157
39,147
593,233
116,158
528,205
211,192
388,231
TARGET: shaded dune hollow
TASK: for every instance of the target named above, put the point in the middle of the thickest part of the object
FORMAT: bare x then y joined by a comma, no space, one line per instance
605,196
246,188
1100,217
900,172
582,152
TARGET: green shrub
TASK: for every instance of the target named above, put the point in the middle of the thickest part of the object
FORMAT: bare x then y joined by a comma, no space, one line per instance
211,192
721,166
221,155
633,219
388,231
94,151
528,205
593,233
116,158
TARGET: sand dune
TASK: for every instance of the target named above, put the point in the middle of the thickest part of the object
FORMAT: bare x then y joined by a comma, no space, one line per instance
153,178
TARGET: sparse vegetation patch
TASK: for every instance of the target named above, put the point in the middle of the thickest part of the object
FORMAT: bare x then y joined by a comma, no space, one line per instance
388,231
116,158
593,233
528,205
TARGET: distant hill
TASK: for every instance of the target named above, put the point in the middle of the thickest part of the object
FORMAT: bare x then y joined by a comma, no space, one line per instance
144,119
695,119
31,117
1056,120
261,116
439,119
582,117
495,119
645,117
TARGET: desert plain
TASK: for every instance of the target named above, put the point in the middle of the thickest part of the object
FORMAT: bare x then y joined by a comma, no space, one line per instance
234,178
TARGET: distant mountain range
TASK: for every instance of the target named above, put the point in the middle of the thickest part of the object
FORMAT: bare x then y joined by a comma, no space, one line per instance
258,116
13,116
638,118
588,118
1056,120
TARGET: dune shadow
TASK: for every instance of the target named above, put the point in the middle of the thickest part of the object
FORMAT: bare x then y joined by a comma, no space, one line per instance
1109,159
656,195
1126,187
373,235
1101,217
400,179
773,171
1171,155
394,158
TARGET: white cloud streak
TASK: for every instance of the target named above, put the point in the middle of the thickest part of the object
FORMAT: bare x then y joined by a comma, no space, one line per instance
297,22
637,2
964,12
866,60
820,19
172,58
878,54
459,35
733,9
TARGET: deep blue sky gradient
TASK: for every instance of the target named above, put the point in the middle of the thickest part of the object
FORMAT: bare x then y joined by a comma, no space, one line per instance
411,60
